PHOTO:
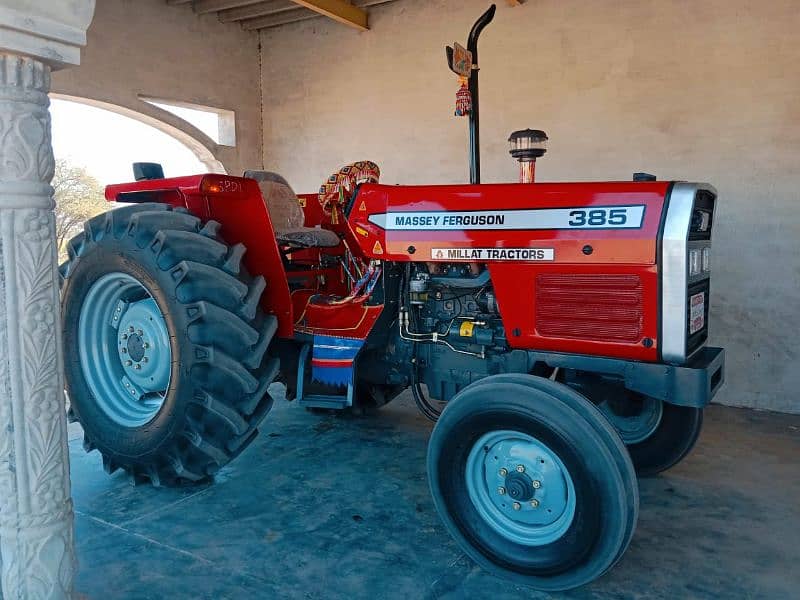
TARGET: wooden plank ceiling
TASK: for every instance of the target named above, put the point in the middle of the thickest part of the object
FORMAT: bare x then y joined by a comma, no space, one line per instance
263,14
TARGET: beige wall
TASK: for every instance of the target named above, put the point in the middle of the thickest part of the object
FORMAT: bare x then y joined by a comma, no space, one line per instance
145,47
700,90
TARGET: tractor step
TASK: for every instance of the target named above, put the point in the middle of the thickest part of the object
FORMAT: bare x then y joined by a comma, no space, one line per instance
331,401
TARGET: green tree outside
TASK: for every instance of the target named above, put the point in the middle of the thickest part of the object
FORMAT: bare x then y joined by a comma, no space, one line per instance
78,197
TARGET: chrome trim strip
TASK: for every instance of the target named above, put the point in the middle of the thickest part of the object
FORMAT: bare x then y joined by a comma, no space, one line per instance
674,270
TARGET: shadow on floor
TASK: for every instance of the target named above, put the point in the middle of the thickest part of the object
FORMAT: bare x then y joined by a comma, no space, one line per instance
325,507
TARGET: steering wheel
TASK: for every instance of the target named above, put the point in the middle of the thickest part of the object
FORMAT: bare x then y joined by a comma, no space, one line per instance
340,186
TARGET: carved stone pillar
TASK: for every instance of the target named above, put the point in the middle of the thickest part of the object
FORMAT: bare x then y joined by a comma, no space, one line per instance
36,535
36,514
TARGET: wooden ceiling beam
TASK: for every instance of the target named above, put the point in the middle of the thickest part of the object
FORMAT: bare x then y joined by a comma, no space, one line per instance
252,11
338,10
277,19
202,7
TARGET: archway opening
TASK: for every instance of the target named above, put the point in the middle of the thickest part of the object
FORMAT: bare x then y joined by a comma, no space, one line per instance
107,142
95,146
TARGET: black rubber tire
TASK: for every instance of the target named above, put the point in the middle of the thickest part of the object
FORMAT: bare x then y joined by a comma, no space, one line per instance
372,396
670,443
607,496
219,338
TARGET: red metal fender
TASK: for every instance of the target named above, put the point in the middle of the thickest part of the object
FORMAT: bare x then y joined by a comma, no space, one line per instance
235,202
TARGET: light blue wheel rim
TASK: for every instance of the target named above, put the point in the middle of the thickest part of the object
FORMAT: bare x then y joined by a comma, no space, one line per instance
124,349
499,457
637,428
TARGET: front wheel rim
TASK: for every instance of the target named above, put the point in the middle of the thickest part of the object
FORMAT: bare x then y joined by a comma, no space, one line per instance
520,487
124,349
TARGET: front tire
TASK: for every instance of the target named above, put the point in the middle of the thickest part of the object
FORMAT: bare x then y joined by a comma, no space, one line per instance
165,347
658,434
532,482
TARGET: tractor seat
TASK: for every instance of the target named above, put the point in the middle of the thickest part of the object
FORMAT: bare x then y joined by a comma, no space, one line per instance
287,216
308,237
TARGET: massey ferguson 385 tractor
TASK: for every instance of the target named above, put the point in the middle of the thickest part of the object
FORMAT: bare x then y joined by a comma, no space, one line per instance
557,331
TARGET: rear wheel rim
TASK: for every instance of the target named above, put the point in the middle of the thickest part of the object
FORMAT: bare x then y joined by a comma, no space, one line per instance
124,349
520,487
636,428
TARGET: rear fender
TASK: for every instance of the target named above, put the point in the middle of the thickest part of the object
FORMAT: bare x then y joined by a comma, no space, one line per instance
237,204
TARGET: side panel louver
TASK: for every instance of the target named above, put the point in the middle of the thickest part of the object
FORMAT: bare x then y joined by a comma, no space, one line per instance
600,307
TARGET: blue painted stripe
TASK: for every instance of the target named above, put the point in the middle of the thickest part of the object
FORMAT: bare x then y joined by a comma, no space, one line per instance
331,348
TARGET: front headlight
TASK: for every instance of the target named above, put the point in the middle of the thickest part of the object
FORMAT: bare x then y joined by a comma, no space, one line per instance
695,262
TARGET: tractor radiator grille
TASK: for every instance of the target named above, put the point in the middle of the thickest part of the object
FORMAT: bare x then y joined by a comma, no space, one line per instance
589,307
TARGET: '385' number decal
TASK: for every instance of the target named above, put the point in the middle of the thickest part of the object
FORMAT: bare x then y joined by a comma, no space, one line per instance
630,216
599,217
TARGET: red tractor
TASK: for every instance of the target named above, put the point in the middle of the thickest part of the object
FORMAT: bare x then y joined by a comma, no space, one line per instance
557,331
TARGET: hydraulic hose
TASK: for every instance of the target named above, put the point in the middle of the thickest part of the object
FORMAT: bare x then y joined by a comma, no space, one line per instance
424,406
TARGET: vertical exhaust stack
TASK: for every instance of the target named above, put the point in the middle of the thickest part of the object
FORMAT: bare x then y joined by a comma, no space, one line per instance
474,117
526,146
474,100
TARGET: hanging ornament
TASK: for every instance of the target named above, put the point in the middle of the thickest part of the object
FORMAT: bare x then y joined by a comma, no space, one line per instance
460,62
463,99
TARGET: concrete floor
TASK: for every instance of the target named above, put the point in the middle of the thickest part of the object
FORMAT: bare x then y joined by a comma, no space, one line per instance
330,507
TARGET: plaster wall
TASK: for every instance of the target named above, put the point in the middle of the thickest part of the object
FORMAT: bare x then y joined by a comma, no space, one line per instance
146,48
686,90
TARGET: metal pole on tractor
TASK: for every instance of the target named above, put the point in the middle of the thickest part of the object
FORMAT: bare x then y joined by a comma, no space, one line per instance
464,63
474,116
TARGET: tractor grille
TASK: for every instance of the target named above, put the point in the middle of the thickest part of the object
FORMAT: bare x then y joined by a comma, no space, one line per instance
590,307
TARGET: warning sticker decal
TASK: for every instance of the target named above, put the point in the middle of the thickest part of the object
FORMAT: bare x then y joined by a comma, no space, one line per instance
484,254
697,312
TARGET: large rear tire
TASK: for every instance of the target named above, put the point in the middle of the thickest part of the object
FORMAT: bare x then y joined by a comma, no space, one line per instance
533,482
166,351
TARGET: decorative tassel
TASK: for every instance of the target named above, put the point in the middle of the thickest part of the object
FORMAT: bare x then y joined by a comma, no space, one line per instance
463,99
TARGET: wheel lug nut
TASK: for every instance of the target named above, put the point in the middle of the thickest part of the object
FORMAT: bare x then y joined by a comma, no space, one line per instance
124,350
131,329
128,363
535,503
145,359
145,345
501,491
140,333
520,469
517,505
137,367
124,336
536,484
503,472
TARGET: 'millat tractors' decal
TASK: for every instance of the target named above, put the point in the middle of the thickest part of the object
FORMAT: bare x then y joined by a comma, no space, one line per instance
485,254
